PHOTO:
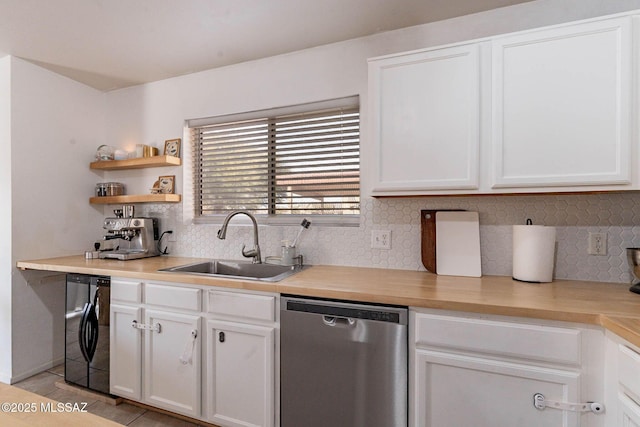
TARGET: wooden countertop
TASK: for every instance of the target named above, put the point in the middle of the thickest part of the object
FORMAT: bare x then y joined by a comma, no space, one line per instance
23,408
610,305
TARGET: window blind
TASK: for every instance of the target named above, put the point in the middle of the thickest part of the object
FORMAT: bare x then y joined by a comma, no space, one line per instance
305,163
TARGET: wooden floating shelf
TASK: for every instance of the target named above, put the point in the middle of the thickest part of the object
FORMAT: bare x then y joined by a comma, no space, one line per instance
137,163
136,198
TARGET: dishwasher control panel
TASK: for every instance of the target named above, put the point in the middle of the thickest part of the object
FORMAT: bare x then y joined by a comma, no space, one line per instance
333,309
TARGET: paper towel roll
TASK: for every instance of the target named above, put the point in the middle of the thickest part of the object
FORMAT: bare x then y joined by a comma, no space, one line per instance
533,252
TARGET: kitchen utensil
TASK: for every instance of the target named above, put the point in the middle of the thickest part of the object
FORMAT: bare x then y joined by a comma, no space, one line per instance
303,226
458,243
428,237
633,257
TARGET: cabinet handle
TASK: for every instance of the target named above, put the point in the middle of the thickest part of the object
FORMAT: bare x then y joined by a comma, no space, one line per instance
221,336
187,354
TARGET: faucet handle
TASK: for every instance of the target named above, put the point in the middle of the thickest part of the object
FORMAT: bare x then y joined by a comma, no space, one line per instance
251,253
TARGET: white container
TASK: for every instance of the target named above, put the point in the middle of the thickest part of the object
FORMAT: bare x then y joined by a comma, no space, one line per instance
534,248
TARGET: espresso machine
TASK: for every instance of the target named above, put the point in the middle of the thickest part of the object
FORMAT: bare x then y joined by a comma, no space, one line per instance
137,237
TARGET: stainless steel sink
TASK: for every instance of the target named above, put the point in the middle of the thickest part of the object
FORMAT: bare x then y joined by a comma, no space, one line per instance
237,270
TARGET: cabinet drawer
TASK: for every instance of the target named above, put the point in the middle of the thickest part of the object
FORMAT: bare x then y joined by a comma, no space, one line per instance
531,342
173,296
126,291
259,307
629,366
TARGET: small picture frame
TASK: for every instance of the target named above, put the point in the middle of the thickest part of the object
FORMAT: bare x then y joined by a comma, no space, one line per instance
164,185
172,147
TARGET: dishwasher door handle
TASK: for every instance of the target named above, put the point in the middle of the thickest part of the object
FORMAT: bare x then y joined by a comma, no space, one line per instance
335,321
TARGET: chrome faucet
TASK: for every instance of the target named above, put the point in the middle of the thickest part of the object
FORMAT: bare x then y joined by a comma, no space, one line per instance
255,252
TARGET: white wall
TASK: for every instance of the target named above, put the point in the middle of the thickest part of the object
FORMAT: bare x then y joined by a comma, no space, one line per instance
5,219
155,112
56,126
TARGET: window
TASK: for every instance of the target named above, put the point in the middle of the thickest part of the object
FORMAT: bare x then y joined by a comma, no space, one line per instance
301,160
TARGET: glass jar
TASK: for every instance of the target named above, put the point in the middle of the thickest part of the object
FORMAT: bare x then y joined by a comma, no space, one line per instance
115,189
105,152
101,189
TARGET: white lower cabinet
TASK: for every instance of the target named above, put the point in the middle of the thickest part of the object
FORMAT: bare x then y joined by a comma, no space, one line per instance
629,412
455,390
172,362
623,385
241,385
125,352
155,345
483,371
240,362
213,361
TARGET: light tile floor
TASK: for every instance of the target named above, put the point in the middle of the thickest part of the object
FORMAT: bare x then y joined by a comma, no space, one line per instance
44,384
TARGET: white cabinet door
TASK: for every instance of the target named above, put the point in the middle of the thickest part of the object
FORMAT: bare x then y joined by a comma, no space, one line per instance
562,102
629,412
458,390
425,113
125,373
172,362
627,383
240,374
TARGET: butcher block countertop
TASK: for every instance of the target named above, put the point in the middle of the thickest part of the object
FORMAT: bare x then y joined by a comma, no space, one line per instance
610,305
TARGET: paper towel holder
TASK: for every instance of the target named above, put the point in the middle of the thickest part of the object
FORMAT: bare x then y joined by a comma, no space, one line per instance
534,249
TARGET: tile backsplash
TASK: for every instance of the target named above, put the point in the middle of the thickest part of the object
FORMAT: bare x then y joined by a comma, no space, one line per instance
574,216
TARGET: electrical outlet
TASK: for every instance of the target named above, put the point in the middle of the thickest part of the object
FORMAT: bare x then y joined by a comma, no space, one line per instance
381,239
597,243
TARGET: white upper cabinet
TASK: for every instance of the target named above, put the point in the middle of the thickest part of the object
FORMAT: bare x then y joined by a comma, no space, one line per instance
562,106
425,109
545,110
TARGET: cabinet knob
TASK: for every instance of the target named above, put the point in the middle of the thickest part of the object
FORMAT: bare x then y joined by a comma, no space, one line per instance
221,337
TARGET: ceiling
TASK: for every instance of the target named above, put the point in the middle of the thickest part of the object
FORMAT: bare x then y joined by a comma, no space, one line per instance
110,44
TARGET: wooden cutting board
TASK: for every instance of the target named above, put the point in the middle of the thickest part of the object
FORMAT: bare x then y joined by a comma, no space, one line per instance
428,237
458,244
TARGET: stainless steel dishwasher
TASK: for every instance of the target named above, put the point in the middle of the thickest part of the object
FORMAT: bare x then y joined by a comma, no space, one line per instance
342,364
